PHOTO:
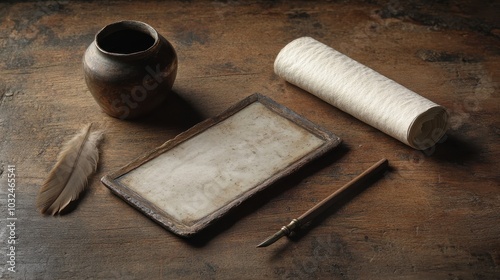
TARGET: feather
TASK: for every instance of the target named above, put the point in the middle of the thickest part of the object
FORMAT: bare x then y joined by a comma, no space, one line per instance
67,179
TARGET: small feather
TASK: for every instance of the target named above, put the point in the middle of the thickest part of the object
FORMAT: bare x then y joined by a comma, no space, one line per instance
67,179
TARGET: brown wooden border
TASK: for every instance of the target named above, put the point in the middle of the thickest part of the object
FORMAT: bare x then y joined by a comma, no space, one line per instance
159,216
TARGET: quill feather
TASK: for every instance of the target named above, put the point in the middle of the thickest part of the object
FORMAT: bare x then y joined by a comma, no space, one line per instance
67,179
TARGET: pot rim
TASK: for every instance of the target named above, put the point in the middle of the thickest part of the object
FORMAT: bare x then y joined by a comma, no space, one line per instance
126,25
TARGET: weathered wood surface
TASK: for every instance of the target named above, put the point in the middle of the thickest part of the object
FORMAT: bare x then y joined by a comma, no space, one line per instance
434,216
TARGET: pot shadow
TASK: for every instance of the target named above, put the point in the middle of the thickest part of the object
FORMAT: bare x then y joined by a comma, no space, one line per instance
252,204
175,112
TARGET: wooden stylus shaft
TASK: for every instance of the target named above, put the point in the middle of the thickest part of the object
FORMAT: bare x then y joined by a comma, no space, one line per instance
361,179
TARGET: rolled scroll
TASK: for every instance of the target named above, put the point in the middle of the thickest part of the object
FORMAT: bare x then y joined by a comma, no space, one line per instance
362,92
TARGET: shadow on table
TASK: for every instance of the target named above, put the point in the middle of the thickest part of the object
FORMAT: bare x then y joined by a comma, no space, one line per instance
175,112
456,149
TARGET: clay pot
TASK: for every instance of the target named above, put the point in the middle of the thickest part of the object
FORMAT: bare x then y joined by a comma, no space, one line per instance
129,69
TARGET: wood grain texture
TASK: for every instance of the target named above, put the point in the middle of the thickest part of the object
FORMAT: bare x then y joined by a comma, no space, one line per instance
434,216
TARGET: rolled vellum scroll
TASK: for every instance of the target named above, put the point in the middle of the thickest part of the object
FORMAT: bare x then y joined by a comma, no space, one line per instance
362,92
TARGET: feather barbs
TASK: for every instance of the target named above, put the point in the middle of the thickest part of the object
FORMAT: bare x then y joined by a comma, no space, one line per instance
68,178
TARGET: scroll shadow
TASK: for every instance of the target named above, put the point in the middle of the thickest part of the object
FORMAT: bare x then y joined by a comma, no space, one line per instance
455,149
258,200
174,112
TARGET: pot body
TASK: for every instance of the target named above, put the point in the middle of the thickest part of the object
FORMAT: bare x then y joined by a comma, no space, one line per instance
129,68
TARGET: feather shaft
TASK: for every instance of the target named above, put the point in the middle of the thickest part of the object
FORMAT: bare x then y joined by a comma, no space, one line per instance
68,178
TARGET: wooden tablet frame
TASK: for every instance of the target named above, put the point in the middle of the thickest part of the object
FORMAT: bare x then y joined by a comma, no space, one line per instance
201,174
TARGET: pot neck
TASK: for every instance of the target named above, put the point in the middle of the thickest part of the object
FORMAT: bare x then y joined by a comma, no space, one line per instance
127,40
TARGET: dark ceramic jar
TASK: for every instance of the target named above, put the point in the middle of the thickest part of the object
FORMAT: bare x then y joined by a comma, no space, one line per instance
129,69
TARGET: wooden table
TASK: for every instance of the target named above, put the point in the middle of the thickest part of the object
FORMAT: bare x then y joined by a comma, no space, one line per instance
435,215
